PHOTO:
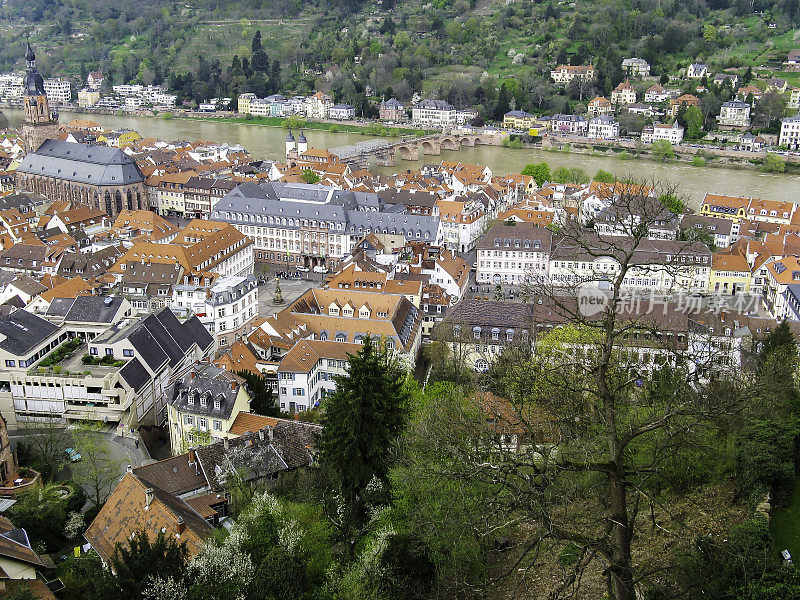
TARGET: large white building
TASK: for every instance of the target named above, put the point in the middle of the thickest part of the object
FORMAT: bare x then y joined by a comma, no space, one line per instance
514,254
307,372
790,132
225,309
603,127
59,91
671,133
734,114
124,383
433,113
293,224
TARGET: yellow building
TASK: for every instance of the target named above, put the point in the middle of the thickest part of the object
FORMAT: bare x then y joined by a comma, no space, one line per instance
244,103
519,119
203,404
730,274
725,207
87,98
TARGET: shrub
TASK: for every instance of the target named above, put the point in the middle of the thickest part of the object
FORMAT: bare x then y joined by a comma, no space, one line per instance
167,116
698,161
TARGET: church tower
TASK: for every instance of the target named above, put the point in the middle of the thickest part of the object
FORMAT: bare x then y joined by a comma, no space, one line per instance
40,124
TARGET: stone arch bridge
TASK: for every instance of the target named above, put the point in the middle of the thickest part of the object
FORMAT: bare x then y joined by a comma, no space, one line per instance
385,151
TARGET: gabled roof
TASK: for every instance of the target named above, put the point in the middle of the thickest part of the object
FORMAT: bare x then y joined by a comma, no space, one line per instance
15,545
177,475
127,512
23,331
94,165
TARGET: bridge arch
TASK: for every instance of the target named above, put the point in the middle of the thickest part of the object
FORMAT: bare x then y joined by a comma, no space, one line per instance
430,148
470,142
450,144
408,152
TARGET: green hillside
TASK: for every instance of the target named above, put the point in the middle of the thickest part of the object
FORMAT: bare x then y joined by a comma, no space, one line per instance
456,49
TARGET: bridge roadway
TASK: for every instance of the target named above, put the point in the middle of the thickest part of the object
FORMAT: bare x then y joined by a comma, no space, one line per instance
359,155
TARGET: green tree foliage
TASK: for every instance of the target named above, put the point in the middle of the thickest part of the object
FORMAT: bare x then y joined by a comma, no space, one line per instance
98,470
363,417
42,513
135,563
503,104
693,120
721,569
85,578
43,446
604,177
262,400
310,177
773,163
539,171
662,150
765,458
561,175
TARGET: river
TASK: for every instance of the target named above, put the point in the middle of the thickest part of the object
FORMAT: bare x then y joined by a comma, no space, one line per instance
268,142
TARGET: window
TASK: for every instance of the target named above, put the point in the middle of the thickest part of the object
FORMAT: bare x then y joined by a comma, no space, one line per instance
127,352
297,391
93,351
189,419
109,352
216,404
217,425
203,423
10,363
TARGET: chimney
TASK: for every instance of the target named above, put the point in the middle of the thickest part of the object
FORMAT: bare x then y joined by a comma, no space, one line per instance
148,497
181,525
191,375
225,443
130,469
261,434
271,434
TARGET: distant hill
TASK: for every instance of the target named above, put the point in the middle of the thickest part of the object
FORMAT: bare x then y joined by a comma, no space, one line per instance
459,50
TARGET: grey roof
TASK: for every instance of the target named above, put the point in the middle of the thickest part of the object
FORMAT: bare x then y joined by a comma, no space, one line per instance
342,107
357,212
205,389
134,374
199,333
29,285
734,104
392,104
434,105
94,309
23,331
59,307
253,457
148,348
96,165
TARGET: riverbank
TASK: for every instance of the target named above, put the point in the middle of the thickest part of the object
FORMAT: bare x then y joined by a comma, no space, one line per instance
696,157
372,129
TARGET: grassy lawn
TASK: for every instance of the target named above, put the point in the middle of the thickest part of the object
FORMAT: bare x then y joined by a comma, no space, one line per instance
785,526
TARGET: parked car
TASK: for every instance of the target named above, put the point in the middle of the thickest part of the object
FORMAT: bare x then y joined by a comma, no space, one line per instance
320,269
303,269
72,454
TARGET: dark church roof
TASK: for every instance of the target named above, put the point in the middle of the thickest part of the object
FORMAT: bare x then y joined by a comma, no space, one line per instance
81,163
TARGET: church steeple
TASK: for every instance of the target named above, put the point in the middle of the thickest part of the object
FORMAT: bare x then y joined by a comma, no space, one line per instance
40,123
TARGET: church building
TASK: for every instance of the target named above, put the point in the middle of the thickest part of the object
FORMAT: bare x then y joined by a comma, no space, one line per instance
102,177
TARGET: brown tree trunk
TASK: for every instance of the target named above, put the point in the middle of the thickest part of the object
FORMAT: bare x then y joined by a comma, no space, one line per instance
620,568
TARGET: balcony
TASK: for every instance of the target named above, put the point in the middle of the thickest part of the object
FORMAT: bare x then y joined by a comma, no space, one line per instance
20,481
